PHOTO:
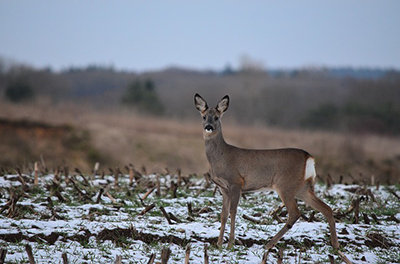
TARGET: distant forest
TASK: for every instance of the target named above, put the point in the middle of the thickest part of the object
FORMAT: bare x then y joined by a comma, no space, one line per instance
340,99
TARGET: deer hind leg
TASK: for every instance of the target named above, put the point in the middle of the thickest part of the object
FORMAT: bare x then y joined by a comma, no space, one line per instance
309,197
294,214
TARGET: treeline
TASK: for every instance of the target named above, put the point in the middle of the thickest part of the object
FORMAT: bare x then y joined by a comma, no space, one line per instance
367,101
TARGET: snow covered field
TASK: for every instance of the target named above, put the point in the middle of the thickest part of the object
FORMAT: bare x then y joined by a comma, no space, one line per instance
94,221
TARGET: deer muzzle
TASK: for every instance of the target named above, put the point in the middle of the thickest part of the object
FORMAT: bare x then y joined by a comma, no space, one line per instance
209,129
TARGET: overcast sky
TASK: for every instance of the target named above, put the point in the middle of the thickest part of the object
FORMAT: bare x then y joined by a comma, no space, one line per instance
152,35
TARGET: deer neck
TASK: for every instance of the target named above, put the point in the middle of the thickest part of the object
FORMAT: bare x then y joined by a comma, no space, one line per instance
215,147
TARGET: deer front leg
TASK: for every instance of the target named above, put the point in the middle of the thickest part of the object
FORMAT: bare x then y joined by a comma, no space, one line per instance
234,196
224,215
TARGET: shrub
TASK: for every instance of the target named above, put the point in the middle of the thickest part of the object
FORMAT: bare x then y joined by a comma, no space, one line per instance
19,91
143,97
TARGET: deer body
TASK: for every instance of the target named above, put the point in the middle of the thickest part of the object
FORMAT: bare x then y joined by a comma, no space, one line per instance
256,170
234,170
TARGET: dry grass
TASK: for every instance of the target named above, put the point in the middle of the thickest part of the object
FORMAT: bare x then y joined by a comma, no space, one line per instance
123,138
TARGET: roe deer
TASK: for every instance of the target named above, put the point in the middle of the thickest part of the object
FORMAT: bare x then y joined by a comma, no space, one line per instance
290,172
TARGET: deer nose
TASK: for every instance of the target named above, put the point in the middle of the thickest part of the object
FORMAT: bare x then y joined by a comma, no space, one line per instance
208,128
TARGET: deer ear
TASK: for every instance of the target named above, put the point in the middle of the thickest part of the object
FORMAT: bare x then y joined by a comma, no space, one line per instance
200,103
223,104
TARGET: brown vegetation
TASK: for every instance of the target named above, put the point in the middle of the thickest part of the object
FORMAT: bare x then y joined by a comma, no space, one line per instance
76,117
119,138
23,141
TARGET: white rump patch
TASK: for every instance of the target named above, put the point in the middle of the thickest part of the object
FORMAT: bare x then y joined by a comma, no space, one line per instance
310,169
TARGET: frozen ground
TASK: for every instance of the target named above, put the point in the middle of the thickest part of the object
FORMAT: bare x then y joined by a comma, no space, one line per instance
89,229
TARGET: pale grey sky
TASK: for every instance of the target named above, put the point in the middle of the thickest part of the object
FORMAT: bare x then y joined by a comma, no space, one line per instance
151,35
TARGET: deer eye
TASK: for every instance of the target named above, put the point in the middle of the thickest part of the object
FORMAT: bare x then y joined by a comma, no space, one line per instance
216,118
204,117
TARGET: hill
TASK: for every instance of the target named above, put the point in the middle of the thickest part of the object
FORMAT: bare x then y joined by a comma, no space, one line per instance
341,99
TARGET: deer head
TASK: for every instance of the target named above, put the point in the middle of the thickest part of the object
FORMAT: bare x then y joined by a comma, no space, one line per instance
211,116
